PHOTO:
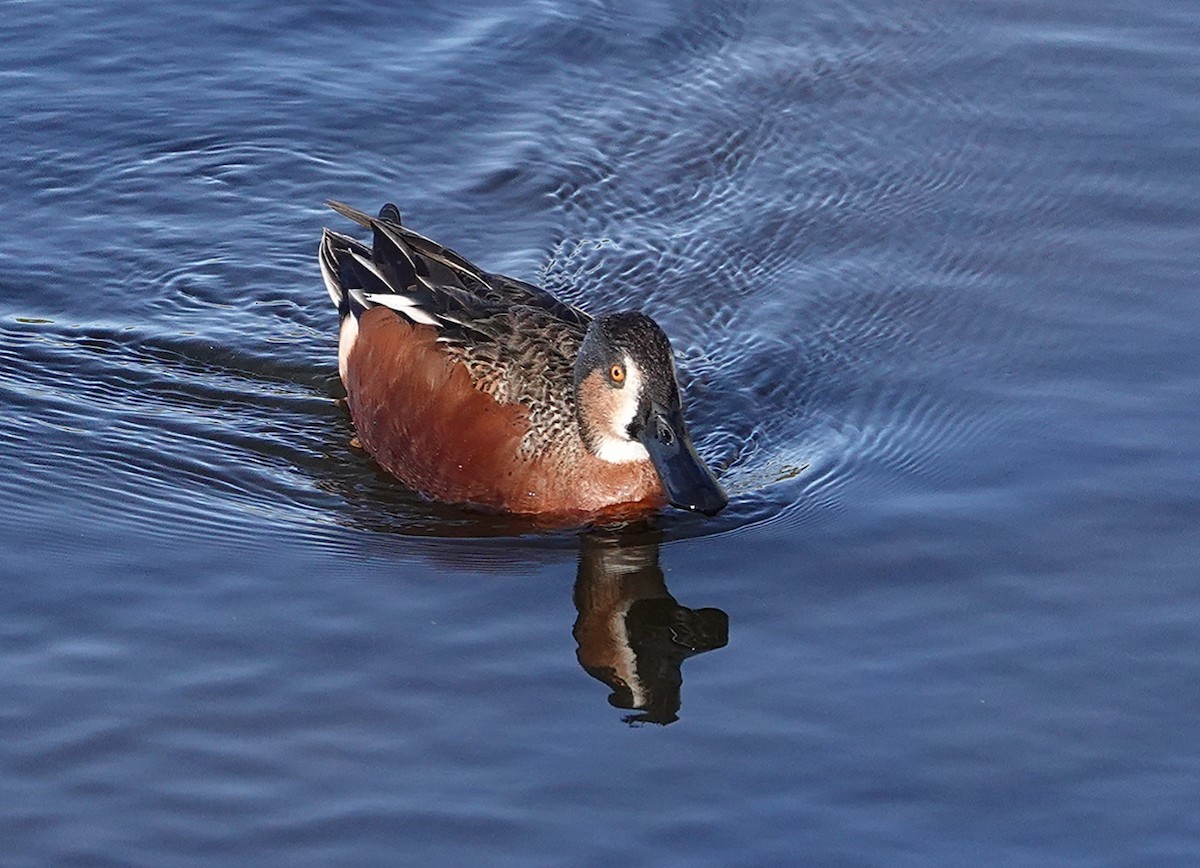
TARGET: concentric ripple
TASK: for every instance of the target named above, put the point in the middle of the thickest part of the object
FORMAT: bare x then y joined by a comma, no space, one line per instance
776,206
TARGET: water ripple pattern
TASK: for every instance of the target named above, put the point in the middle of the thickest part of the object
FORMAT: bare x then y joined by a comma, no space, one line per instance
930,271
778,204
772,205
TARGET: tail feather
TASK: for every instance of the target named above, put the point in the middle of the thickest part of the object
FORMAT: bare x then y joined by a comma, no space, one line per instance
329,273
359,278
346,278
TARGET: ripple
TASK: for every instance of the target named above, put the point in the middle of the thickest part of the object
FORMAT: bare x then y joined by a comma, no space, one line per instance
817,278
754,211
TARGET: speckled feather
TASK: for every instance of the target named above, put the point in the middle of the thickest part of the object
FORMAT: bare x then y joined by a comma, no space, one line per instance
517,342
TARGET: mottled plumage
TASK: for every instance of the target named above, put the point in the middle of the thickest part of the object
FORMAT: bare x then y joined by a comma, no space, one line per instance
517,341
426,335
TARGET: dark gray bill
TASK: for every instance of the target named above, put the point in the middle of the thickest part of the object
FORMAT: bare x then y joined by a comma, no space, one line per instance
688,482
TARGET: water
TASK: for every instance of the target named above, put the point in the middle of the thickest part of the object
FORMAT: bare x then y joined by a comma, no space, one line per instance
930,272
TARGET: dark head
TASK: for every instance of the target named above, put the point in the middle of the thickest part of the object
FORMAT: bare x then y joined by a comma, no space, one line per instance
627,400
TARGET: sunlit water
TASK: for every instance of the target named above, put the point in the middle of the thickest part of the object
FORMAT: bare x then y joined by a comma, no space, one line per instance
930,272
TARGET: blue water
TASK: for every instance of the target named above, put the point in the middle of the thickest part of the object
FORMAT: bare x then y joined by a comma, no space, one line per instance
930,270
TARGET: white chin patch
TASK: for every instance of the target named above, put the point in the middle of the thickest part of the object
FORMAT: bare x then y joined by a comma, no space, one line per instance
617,451
615,445
346,338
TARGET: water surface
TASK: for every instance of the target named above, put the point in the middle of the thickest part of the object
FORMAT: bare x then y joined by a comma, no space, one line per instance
930,273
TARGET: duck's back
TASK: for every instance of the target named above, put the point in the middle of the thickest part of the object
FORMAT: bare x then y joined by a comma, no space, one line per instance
461,382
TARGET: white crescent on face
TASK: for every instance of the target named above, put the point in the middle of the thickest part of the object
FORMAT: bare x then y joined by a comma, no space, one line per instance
615,445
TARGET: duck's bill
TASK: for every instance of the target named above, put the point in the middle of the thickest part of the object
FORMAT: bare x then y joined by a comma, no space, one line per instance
689,484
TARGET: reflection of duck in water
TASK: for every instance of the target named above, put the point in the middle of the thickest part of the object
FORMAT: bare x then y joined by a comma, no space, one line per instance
632,634
476,388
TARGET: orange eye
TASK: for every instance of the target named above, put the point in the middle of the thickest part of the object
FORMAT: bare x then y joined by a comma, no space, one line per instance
617,374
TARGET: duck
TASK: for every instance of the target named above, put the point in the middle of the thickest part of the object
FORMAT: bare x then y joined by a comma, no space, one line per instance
474,388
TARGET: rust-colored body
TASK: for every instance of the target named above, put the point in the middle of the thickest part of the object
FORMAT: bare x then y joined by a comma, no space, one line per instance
476,388
419,414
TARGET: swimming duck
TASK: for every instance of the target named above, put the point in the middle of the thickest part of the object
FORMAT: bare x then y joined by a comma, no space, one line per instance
476,388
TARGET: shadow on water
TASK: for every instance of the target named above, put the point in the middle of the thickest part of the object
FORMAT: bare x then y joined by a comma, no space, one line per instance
632,634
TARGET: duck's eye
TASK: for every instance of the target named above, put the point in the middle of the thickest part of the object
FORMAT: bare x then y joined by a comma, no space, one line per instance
617,374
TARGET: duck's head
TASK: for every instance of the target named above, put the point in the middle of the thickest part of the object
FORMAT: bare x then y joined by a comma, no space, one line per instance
629,408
